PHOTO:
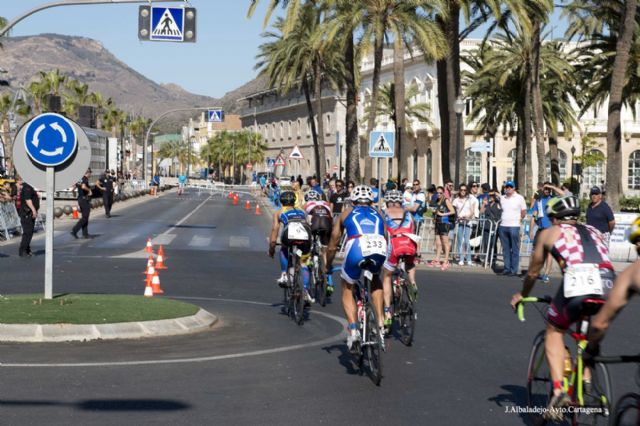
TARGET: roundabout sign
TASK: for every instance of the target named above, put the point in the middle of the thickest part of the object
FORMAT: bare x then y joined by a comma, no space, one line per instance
50,140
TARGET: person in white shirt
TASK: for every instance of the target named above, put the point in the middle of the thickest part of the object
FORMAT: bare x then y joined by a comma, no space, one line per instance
514,209
466,206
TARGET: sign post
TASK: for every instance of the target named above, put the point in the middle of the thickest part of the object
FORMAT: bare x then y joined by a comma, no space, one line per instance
381,145
60,147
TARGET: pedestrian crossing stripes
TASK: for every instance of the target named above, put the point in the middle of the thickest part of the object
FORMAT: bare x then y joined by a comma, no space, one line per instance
164,239
197,241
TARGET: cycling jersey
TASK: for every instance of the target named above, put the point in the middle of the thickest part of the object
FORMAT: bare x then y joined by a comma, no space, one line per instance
295,229
400,244
321,219
583,256
365,240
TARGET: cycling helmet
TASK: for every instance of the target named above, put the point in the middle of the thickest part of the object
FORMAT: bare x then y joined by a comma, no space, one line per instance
563,207
312,195
362,194
393,196
288,198
634,231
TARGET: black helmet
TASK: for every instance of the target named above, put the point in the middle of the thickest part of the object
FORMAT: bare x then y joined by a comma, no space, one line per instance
567,207
288,198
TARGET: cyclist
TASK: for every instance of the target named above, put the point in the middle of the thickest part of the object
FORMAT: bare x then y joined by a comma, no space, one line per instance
320,218
295,231
402,242
583,256
364,226
625,286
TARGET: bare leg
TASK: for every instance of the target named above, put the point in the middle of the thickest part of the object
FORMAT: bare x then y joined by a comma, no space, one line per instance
438,248
386,286
447,247
554,348
348,303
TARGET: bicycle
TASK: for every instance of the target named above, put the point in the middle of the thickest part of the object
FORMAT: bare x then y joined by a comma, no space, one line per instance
318,272
294,288
371,339
540,385
627,409
404,310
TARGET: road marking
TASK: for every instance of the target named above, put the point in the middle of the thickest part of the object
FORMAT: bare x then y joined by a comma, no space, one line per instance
186,217
197,241
122,240
239,242
338,337
164,239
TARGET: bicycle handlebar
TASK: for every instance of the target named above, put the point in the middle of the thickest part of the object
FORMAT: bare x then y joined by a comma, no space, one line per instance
529,299
617,359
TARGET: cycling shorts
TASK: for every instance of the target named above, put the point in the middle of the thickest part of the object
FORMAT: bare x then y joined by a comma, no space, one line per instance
565,311
353,256
392,262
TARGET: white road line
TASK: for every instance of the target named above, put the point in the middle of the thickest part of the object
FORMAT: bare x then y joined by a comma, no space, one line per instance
197,241
164,239
239,242
186,217
122,239
335,338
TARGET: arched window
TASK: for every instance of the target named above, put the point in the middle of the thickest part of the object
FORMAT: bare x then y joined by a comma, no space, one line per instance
273,130
281,130
634,170
428,180
594,175
327,130
474,166
289,132
511,170
299,129
562,164
415,164
308,127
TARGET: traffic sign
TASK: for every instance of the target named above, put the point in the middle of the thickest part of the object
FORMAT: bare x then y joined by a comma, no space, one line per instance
215,115
50,139
280,161
271,162
481,146
381,144
296,154
167,23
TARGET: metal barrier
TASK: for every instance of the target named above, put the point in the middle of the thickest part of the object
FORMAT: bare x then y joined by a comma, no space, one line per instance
9,220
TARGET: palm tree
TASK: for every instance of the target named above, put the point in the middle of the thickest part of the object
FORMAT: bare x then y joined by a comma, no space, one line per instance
37,91
53,81
387,106
7,107
137,128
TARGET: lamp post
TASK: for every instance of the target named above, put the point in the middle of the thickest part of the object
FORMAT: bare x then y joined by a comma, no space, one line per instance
573,151
458,107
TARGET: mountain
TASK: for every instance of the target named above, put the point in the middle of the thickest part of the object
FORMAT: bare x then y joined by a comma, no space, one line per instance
87,61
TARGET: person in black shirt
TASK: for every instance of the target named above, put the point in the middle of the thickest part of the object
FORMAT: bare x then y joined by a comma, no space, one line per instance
338,198
84,195
30,203
105,183
599,214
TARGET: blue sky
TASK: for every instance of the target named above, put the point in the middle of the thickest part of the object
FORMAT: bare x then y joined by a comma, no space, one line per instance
221,60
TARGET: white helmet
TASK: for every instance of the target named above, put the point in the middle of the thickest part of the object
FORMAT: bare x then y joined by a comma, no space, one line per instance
393,196
312,195
362,194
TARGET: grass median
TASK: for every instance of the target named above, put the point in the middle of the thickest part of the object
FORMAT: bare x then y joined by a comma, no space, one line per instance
89,309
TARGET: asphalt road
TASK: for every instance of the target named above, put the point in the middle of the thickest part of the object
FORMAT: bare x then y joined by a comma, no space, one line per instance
468,363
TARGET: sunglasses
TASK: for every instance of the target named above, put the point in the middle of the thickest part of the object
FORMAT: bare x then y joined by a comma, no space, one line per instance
463,190
509,187
474,186
394,204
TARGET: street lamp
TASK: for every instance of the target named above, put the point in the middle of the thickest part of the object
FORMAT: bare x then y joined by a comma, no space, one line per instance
573,151
458,107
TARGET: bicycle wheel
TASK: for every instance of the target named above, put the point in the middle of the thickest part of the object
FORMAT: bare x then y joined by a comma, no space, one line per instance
321,283
539,383
406,317
627,412
297,297
597,402
372,346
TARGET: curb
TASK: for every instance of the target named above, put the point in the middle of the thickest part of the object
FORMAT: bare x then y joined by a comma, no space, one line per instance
44,333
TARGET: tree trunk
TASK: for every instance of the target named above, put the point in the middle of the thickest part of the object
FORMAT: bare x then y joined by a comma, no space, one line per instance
312,122
373,105
519,174
527,139
536,95
351,121
398,83
553,155
443,106
319,151
614,140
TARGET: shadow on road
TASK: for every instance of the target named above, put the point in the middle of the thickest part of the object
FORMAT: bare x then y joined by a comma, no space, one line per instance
106,404
515,396
344,356
194,226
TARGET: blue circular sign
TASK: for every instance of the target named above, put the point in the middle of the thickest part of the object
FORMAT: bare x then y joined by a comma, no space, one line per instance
50,139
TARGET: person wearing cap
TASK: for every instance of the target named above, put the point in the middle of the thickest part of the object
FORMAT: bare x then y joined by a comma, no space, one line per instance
599,214
84,196
514,209
105,184
28,214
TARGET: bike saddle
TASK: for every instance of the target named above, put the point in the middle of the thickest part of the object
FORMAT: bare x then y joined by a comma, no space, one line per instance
367,264
591,306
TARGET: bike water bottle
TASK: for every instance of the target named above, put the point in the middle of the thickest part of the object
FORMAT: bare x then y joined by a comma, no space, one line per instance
568,368
360,312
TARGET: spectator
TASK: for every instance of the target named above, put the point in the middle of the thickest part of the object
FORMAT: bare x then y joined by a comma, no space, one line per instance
491,211
485,195
338,198
514,210
466,207
300,181
448,189
444,213
373,183
599,214
432,195
332,187
537,195
542,221
565,190
295,187
408,194
418,205
473,189
313,184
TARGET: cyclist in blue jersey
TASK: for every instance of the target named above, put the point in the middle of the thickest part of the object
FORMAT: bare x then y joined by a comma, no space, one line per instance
295,231
366,239
373,182
542,222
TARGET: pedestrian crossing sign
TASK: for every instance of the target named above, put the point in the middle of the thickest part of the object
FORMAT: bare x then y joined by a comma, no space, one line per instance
216,115
280,162
167,24
296,154
381,144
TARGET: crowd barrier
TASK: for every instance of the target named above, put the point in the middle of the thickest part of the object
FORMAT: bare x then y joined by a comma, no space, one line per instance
9,220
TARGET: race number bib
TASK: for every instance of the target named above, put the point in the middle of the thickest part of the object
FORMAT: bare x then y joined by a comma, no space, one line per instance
297,231
580,280
371,244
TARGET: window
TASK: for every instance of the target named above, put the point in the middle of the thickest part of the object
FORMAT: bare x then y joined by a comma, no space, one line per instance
634,170
281,130
474,166
428,180
562,163
308,127
594,175
328,129
511,171
299,129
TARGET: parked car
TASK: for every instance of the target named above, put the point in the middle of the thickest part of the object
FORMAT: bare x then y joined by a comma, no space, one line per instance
284,181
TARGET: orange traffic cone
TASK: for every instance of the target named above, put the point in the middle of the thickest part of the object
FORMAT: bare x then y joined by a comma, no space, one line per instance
230,196
149,262
149,248
257,209
150,271
75,213
155,284
248,205
160,262
235,200
148,290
